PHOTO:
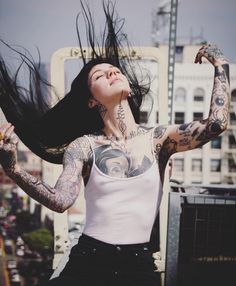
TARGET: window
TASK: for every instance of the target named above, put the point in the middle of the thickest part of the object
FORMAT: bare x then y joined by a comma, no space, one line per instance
215,165
180,95
198,94
179,165
232,165
157,117
196,165
179,117
233,95
216,143
197,116
143,117
232,142
232,118
179,54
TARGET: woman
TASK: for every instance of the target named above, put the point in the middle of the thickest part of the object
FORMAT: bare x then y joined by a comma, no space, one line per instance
121,163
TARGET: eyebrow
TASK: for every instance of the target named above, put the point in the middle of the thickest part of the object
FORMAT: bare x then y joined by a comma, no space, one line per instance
110,66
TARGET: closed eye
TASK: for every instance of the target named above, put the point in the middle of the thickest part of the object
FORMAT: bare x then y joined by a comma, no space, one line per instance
99,76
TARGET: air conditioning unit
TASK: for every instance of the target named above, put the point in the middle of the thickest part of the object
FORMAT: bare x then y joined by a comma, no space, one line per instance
201,239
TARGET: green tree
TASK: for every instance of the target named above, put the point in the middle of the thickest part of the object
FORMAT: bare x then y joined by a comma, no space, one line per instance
40,240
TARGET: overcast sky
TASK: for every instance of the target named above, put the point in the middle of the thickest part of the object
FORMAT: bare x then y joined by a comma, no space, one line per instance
50,24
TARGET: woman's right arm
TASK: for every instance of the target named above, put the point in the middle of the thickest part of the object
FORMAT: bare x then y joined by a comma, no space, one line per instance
66,190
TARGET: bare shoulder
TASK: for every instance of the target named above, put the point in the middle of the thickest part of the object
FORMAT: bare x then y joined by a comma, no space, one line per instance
79,149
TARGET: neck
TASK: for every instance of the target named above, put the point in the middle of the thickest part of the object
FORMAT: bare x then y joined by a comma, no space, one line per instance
119,121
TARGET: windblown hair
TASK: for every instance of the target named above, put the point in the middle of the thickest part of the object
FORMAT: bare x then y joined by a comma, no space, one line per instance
48,130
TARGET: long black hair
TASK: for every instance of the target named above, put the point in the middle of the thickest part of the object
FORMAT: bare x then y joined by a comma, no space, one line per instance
48,130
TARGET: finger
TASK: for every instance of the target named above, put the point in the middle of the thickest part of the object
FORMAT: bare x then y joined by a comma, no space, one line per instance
3,130
8,133
203,47
198,58
200,54
13,139
5,126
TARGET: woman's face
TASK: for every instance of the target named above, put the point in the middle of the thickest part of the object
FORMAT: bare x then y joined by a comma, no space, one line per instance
107,84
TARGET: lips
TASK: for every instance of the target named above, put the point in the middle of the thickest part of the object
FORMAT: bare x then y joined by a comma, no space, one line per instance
114,81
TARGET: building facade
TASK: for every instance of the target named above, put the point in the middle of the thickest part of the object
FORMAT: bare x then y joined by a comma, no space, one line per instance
215,162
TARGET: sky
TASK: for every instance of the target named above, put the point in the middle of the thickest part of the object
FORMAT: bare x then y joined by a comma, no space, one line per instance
50,24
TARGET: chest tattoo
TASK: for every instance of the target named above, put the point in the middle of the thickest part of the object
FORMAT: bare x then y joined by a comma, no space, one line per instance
117,163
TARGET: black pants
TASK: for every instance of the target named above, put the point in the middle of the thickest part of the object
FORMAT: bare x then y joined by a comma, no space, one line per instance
95,263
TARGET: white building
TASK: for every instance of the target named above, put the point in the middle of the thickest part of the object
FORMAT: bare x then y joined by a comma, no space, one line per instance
215,162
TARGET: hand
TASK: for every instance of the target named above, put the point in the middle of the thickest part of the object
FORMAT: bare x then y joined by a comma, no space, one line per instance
213,54
8,142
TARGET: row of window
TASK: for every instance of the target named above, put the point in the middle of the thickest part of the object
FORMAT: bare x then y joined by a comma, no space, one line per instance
180,117
198,95
181,93
215,165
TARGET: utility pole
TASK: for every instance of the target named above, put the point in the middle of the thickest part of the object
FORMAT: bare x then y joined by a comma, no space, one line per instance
171,57
167,13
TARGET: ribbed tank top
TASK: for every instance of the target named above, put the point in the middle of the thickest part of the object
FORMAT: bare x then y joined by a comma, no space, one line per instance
122,210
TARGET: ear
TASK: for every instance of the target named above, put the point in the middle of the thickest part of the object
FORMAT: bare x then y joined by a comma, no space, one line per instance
92,103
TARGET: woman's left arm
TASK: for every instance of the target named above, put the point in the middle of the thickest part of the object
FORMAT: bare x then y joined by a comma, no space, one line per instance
178,138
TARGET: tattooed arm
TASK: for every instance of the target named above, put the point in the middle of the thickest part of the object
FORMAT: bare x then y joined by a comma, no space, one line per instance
178,138
67,188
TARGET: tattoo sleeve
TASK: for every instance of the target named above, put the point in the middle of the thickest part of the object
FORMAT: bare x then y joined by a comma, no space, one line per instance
218,115
196,134
178,138
66,190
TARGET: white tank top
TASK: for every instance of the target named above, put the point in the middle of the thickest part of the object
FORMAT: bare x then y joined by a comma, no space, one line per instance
122,210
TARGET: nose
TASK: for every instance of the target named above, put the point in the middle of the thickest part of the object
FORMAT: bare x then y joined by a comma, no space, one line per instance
111,72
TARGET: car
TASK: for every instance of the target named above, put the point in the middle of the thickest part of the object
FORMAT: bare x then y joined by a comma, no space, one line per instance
13,272
11,264
15,278
20,252
8,242
19,241
3,231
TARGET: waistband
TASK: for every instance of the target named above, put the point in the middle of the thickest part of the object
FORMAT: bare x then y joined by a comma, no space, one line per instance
88,240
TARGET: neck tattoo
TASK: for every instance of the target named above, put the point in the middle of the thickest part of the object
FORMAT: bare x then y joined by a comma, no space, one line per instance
120,118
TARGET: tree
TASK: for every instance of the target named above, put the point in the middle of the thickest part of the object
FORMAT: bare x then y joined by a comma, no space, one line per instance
40,240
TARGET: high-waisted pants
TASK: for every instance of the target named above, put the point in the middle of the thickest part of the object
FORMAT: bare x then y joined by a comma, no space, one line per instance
95,263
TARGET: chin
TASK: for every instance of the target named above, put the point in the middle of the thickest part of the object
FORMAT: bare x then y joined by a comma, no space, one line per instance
125,93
